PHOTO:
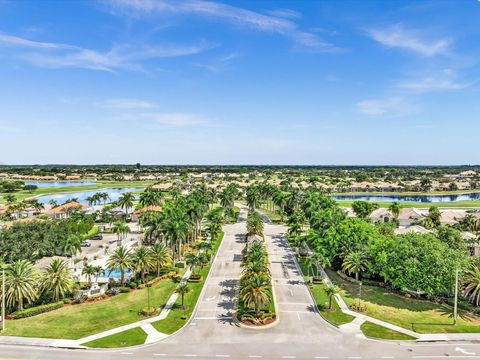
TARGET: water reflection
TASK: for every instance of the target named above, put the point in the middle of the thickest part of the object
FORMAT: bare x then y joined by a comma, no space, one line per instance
410,198
82,196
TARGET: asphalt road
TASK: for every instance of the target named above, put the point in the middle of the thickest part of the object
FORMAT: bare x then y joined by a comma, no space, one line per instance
301,333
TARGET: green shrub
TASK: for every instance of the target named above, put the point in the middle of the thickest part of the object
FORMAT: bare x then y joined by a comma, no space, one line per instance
67,300
141,286
124,289
180,264
132,285
36,310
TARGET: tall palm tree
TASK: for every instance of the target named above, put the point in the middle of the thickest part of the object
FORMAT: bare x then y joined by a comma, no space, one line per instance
89,271
192,260
161,256
355,262
395,209
57,278
21,283
256,292
182,290
142,261
120,259
121,229
126,201
310,264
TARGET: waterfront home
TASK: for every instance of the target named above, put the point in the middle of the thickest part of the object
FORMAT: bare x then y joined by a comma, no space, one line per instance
409,215
64,211
450,217
381,215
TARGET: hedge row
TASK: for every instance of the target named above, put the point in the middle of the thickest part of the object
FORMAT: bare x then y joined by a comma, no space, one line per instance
36,310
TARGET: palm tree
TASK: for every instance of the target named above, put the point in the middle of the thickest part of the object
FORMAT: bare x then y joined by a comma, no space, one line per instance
57,278
161,256
395,209
72,245
126,201
121,229
355,263
89,271
21,283
256,292
192,260
320,260
310,264
471,282
121,259
331,291
183,290
142,261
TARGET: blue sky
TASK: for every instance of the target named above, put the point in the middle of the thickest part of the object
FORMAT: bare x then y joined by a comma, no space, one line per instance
240,82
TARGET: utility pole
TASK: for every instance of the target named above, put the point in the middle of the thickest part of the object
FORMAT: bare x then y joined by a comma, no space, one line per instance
455,303
3,300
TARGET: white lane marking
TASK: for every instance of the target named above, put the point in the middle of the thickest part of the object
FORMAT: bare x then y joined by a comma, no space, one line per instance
222,356
289,357
159,354
387,357
321,357
291,292
463,351
354,357
126,353
255,356
189,355
298,315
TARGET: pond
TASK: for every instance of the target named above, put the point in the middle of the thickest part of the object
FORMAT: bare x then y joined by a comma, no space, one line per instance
47,184
81,196
410,198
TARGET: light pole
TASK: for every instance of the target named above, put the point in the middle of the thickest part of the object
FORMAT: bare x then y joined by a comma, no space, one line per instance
455,301
3,300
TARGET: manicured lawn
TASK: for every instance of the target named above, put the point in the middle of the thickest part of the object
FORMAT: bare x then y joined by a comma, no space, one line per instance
413,314
334,315
77,321
174,320
22,195
177,317
132,337
379,332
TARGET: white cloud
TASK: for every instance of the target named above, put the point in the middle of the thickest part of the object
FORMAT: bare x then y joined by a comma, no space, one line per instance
395,106
446,80
125,104
57,55
398,37
236,15
174,119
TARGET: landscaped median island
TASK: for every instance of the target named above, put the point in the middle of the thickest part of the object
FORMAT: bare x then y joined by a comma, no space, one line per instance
379,332
255,305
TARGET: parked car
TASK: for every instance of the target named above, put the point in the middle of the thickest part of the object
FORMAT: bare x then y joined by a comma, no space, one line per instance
97,237
86,243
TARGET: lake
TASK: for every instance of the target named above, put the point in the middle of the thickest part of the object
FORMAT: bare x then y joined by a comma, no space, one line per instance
82,196
47,184
410,198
